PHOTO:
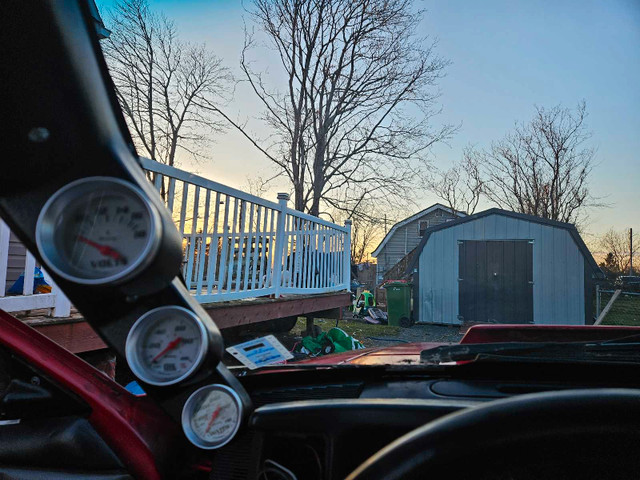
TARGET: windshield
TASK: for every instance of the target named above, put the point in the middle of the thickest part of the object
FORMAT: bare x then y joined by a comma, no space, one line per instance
382,176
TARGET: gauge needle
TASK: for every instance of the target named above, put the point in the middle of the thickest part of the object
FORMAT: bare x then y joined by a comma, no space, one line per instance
172,344
105,250
214,415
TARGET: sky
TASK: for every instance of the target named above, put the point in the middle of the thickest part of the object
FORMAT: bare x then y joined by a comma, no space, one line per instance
507,57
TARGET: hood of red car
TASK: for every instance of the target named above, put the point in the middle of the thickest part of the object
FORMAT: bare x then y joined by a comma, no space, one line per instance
409,353
404,353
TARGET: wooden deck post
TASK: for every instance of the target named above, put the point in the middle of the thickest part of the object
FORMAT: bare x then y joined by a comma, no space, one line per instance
347,255
281,233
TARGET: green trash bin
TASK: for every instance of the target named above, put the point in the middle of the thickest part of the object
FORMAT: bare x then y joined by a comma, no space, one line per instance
399,303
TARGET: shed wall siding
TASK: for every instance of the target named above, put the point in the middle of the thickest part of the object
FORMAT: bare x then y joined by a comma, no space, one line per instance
558,270
405,239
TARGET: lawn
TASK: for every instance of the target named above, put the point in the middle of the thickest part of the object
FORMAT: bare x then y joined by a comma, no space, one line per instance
625,310
356,328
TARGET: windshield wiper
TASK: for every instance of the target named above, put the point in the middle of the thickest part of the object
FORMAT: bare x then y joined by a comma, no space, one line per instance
618,350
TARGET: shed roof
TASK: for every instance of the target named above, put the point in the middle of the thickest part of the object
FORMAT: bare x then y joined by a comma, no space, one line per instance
410,219
570,227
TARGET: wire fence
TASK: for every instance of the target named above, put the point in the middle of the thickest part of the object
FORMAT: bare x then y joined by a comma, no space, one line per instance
625,310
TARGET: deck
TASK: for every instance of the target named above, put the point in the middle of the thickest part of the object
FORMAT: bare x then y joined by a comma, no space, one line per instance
76,335
245,259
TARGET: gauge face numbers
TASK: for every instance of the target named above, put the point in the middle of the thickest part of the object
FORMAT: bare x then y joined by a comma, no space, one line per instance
211,416
166,345
98,230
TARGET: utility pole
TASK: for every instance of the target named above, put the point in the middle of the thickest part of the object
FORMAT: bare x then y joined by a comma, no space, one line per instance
385,224
631,251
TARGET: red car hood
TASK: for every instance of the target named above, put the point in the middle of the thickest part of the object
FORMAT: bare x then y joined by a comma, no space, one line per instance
409,353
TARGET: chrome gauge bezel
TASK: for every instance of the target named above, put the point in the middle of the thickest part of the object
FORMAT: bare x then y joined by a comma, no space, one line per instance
49,221
189,410
136,335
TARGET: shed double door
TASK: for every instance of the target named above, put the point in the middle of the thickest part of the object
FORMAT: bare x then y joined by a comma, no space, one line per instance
496,281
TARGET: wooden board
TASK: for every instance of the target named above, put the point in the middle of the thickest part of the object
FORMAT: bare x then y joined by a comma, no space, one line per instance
235,314
76,335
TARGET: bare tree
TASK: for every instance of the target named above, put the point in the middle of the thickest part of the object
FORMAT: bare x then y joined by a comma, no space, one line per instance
542,168
618,251
365,233
461,186
353,120
167,88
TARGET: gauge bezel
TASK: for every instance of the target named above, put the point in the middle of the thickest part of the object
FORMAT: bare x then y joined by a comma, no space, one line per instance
189,408
47,225
142,325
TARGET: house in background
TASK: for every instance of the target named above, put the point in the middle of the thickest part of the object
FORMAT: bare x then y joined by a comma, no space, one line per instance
405,236
499,266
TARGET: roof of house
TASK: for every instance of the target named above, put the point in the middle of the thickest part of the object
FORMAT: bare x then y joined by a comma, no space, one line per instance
410,219
571,228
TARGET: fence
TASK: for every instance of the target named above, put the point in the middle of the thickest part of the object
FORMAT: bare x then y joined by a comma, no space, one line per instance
625,310
25,263
237,245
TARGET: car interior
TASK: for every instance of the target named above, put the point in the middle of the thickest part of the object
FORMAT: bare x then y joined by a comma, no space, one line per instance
64,139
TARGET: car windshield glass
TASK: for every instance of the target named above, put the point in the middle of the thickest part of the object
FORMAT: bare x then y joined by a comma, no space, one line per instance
357,182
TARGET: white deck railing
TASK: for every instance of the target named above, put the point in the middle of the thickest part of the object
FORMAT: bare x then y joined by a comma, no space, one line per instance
56,301
237,245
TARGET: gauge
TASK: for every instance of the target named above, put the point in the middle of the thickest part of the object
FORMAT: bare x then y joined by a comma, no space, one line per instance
211,416
166,345
98,230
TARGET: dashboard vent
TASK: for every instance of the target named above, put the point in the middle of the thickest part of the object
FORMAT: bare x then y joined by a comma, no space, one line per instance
314,392
232,462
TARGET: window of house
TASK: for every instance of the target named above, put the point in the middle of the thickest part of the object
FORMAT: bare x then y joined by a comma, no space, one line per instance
422,226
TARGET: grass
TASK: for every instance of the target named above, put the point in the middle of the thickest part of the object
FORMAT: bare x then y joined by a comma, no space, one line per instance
356,328
625,310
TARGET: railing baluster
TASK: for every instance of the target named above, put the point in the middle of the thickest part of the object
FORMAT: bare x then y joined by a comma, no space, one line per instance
269,264
314,255
213,249
29,267
158,182
299,253
232,244
183,213
248,254
61,305
310,235
203,246
242,253
255,244
193,241
280,243
226,240
171,194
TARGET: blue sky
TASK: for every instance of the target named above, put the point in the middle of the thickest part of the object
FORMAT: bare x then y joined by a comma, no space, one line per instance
506,57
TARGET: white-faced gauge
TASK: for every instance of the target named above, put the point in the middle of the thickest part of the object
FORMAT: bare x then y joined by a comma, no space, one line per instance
166,345
212,416
98,230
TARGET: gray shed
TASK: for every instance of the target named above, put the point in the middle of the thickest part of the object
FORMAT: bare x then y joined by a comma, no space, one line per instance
499,266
